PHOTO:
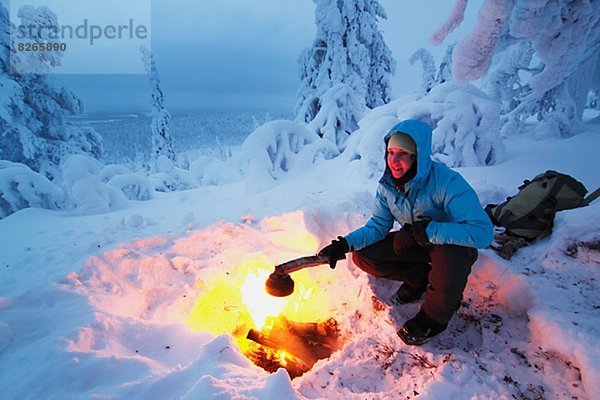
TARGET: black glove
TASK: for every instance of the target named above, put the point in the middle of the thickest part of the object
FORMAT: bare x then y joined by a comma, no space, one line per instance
419,231
411,235
403,239
335,251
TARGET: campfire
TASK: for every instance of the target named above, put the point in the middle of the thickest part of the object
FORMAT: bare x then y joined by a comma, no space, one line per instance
291,332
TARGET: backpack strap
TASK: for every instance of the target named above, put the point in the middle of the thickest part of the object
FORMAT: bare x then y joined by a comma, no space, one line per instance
590,197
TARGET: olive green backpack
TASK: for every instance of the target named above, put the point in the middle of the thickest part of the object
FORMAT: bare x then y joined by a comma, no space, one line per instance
530,213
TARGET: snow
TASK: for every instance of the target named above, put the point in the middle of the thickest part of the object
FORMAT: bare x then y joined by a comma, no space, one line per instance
455,18
551,84
465,123
21,187
473,55
346,70
141,281
428,77
104,303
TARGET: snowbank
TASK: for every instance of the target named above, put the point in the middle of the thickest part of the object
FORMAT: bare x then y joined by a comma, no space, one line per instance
114,304
20,187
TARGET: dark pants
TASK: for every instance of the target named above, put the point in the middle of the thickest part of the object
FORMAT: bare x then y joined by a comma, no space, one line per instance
442,269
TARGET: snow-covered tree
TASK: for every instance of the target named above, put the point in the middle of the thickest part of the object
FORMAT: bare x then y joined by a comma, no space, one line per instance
20,187
444,73
348,49
593,98
430,76
162,142
564,36
465,123
276,148
34,111
40,61
338,116
503,80
428,64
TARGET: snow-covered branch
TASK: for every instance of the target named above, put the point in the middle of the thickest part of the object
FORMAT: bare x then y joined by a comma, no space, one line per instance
456,17
473,55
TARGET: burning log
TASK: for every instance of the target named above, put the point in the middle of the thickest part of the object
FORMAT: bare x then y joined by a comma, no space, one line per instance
271,360
304,343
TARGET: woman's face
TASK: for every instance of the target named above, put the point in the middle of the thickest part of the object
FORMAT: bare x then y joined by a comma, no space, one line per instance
399,161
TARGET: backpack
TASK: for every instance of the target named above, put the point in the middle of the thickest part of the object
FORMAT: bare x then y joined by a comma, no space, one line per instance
529,215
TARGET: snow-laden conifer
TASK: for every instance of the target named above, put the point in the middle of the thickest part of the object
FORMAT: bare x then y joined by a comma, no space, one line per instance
549,52
162,142
34,109
348,49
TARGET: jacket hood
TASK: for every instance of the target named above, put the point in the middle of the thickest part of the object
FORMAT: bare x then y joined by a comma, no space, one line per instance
421,133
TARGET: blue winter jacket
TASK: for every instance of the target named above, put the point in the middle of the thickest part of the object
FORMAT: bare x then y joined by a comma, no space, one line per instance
436,192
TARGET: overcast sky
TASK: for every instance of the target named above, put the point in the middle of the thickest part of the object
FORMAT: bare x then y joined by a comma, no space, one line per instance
243,53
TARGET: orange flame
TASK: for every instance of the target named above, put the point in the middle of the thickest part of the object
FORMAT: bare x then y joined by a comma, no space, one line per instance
283,358
237,302
259,304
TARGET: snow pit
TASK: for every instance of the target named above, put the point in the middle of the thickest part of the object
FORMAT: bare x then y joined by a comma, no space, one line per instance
237,304
210,282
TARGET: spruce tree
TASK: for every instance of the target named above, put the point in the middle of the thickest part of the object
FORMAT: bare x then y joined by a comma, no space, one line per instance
34,109
348,50
162,142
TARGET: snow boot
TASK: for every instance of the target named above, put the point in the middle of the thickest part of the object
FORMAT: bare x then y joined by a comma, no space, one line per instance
407,294
420,329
